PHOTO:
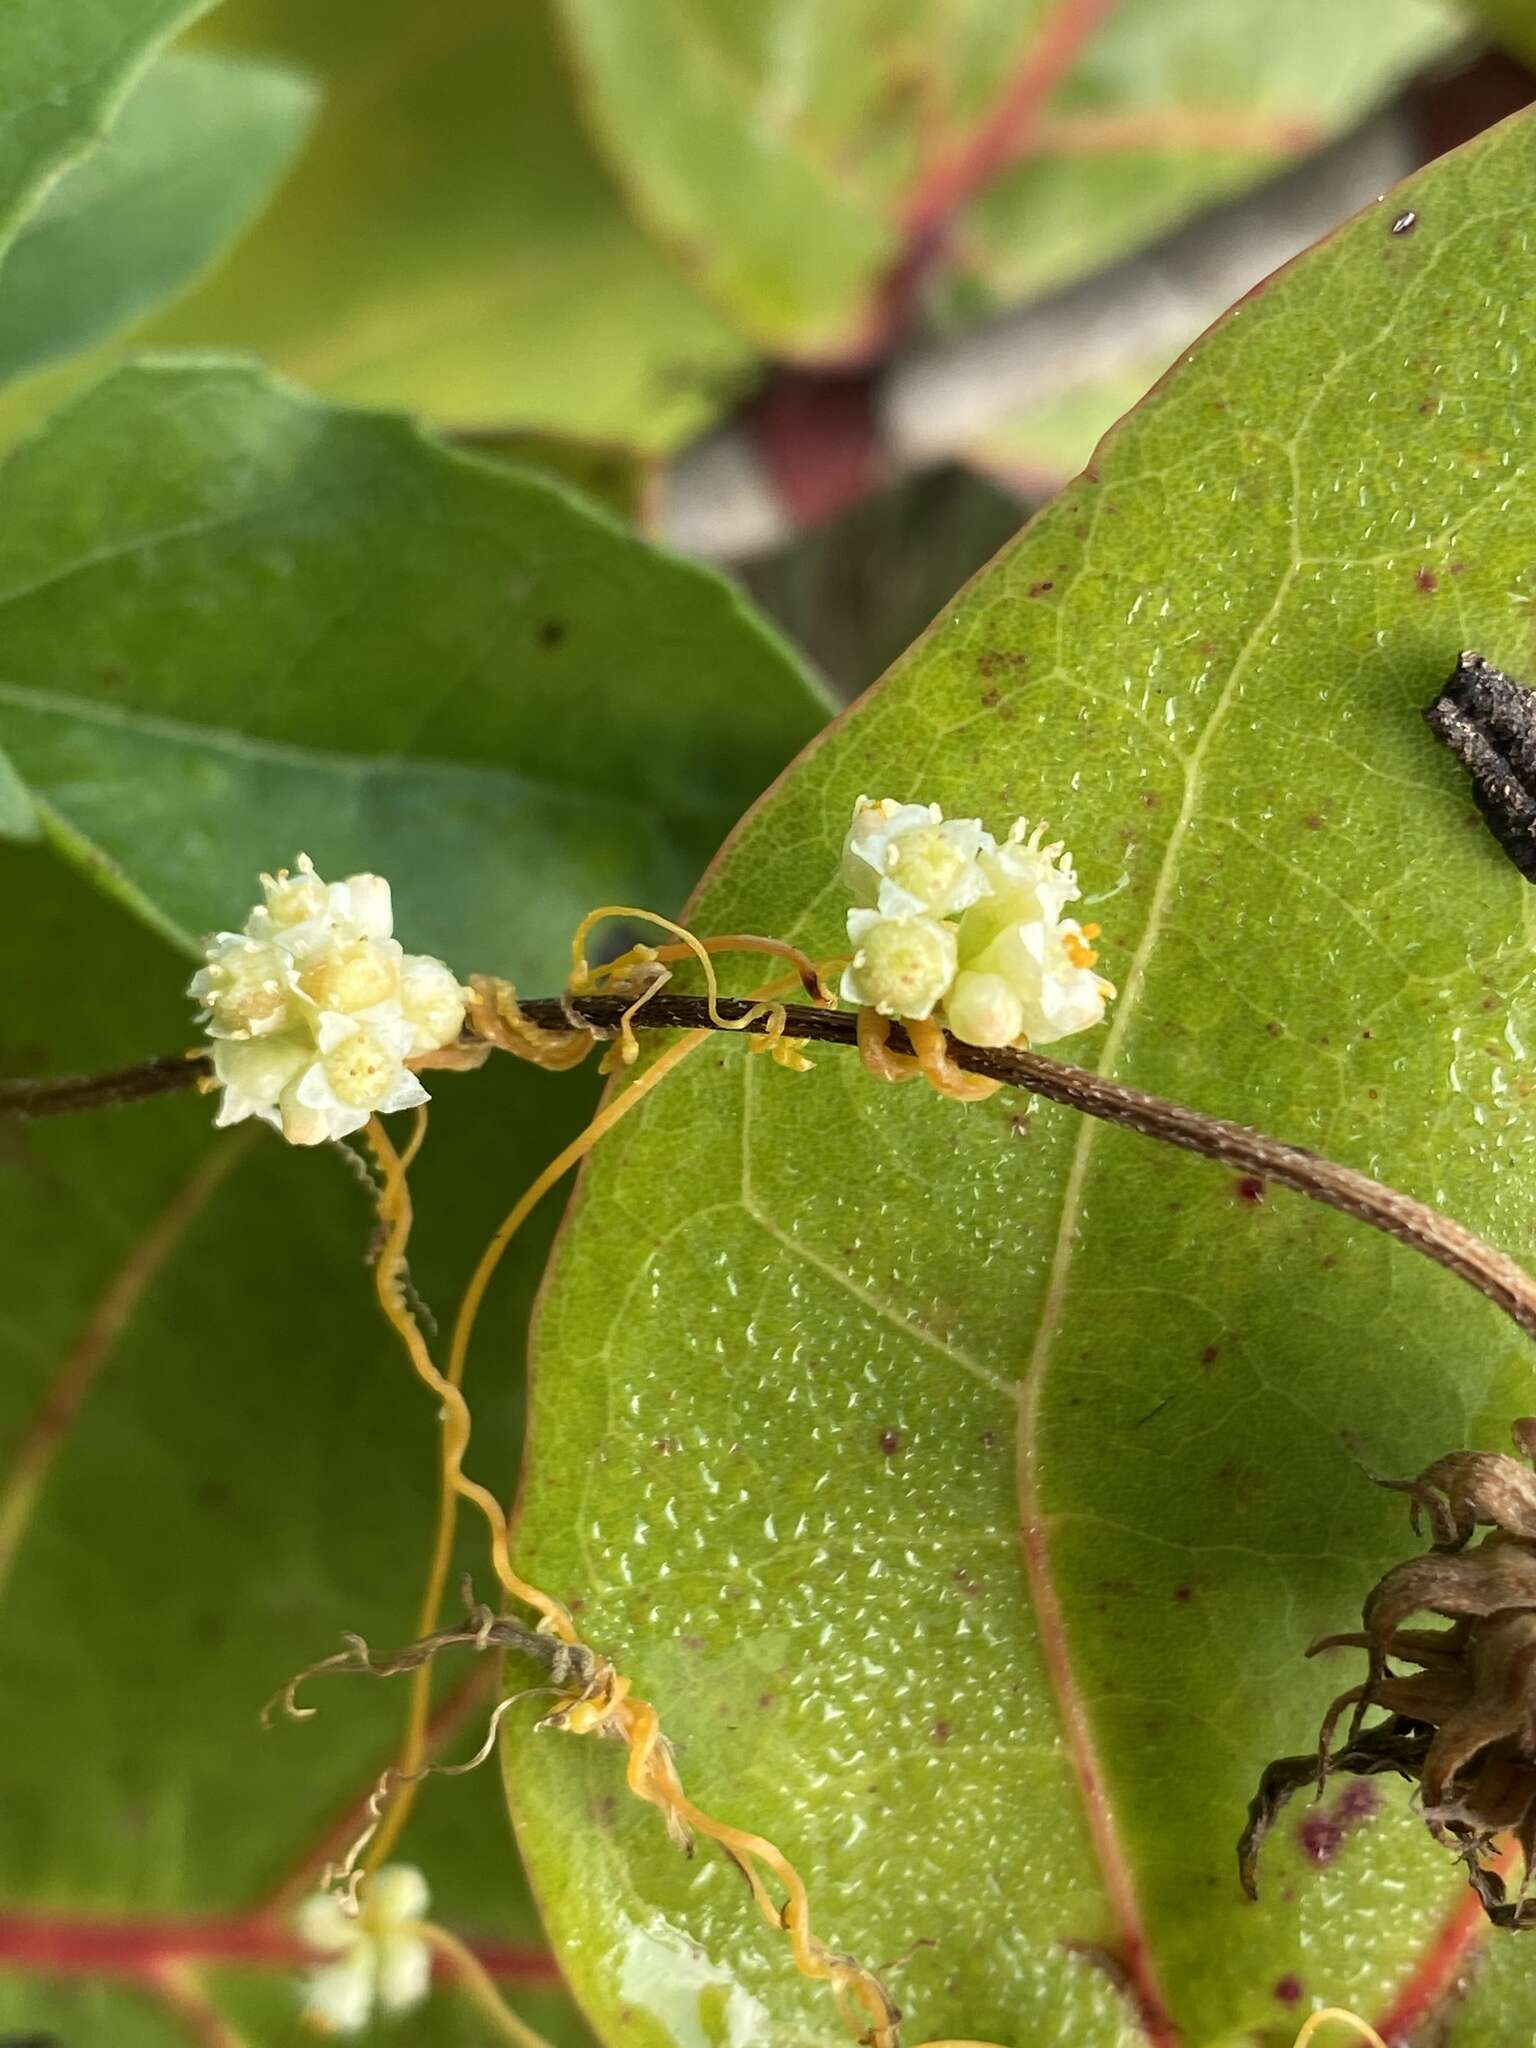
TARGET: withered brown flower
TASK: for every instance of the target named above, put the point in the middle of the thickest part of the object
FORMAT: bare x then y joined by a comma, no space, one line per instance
1462,1724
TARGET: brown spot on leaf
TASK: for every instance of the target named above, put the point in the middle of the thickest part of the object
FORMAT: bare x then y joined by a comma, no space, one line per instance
1290,1990
550,633
1426,580
939,1733
1251,1189
1040,589
1001,661
890,1442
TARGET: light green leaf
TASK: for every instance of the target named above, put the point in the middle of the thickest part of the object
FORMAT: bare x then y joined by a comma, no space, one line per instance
236,622
449,243
786,150
1511,23
67,68
964,1487
190,157
213,1459
1172,106
772,146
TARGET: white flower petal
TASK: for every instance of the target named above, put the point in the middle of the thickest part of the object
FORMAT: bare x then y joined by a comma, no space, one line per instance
366,900
340,1996
984,1009
322,1922
397,1892
403,1965
432,1002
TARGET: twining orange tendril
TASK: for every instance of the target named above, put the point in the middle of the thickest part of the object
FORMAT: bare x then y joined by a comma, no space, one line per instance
873,1037
456,1412
476,1982
930,1057
604,1705
389,1284
1335,2015
939,1070
497,1015
585,977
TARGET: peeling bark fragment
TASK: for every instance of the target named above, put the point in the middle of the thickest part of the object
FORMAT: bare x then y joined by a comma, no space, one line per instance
1463,1724
1489,723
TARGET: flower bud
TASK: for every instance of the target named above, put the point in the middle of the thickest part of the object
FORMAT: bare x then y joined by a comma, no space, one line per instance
432,1001
983,1009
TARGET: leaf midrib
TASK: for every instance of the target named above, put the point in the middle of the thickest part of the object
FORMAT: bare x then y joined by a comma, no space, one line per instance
287,753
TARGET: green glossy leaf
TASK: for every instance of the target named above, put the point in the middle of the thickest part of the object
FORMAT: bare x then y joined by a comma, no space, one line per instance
783,150
67,69
449,243
190,157
235,622
213,1459
965,1486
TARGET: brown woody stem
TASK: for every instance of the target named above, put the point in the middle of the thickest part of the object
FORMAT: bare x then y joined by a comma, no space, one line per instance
1414,1223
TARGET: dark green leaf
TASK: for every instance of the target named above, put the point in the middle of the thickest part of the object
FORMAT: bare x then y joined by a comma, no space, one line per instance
236,622
213,1459
190,157
66,70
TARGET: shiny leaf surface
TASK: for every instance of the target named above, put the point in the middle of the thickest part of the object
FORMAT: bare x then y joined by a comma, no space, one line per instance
965,1486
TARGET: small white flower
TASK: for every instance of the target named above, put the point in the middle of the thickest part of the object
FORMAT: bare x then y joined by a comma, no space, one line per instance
911,861
432,1001
247,987
339,967
361,1070
366,901
314,1008
289,899
253,1073
947,920
1047,966
901,966
381,1959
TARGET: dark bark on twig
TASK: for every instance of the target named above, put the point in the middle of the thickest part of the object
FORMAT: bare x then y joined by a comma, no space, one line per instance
1414,1223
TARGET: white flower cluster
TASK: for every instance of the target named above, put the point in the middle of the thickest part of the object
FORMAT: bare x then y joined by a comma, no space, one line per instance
314,1009
380,1957
947,920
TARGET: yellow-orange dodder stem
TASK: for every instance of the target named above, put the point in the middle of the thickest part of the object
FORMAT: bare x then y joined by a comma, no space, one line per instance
557,1050
456,1434
1335,2015
603,1705
475,1980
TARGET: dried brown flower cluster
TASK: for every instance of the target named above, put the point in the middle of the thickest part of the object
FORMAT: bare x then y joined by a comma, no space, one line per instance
1462,1723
